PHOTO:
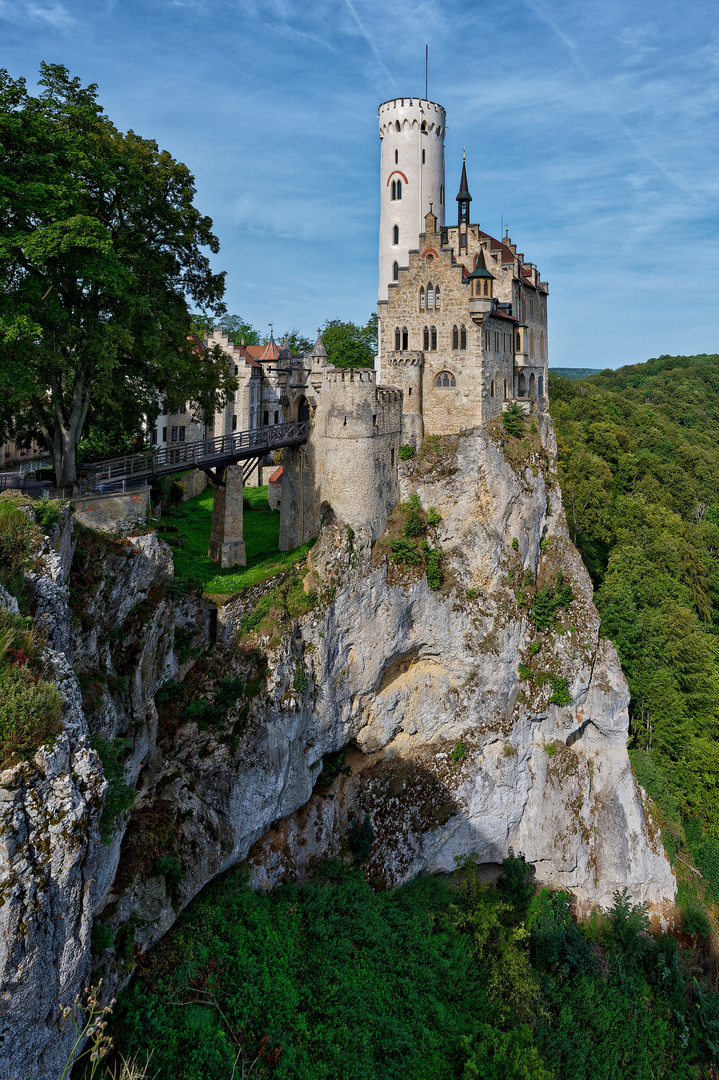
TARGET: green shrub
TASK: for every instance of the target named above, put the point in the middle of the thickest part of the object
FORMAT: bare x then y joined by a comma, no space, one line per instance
361,838
534,648
404,551
517,878
102,937
433,516
172,868
459,753
524,671
407,451
119,796
471,594
707,859
551,599
301,681
47,515
515,544
414,526
513,419
433,562
695,920
30,710
560,693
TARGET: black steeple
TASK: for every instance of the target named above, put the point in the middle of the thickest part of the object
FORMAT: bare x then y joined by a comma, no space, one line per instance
463,201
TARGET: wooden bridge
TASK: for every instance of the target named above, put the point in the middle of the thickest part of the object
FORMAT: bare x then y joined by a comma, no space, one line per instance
210,455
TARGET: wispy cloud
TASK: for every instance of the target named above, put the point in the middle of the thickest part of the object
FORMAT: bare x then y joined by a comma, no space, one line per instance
375,51
51,16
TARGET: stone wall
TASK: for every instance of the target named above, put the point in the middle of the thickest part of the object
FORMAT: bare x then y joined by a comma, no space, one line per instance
350,460
118,512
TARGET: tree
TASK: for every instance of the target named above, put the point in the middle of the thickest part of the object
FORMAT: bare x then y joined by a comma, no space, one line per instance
100,248
349,345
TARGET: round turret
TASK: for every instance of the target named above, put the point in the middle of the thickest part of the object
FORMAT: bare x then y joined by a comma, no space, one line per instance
411,172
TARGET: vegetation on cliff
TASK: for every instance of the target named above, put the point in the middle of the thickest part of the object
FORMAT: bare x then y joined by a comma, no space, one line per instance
437,979
639,468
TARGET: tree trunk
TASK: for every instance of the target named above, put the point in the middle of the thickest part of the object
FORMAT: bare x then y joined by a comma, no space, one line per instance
67,433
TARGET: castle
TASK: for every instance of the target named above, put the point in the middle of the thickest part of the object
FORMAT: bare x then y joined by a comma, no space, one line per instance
462,334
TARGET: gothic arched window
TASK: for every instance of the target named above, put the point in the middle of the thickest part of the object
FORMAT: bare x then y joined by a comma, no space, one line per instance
433,335
405,339
430,297
399,189
421,298
455,337
436,299
395,234
463,337
397,126
445,381
393,190
397,339
519,342
540,385
425,344
395,271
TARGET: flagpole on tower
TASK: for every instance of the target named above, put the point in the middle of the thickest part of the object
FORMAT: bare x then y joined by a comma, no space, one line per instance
426,70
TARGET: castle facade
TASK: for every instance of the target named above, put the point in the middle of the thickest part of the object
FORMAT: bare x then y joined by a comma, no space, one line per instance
462,315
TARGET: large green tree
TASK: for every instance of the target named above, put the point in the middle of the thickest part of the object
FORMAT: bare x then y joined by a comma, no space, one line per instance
101,248
349,345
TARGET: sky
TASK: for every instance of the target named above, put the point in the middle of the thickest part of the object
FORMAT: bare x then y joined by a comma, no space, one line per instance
592,128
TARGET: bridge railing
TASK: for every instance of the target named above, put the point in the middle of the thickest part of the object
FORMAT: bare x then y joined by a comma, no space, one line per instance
191,454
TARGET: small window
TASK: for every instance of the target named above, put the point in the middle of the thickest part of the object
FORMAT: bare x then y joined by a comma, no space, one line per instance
455,337
237,370
486,287
396,157
265,419
505,389
174,434
410,391
277,417
405,339
393,190
424,157
421,298
397,339
424,125
164,434
374,420
399,189
426,339
395,234
492,389
463,337
433,336
519,342
234,423
441,195
436,299
398,126
391,458
486,340
540,385
153,436
430,297
395,271
182,434
445,381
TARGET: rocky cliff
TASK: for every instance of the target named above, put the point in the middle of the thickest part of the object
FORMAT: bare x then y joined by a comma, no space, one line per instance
344,705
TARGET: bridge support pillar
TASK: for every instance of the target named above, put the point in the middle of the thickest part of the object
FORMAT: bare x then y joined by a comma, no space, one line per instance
227,546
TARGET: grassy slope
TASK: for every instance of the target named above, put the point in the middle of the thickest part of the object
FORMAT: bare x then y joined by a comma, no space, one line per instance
193,520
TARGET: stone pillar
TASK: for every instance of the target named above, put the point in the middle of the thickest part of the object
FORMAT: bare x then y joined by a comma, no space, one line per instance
227,547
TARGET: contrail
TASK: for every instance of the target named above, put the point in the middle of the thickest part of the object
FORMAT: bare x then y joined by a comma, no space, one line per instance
574,54
369,41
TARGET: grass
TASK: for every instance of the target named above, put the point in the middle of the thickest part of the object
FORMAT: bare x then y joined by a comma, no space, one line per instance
193,522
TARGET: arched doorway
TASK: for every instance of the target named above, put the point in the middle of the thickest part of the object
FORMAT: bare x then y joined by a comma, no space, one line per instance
521,385
303,410
532,386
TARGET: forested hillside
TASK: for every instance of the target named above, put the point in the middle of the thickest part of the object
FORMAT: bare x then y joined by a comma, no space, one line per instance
639,467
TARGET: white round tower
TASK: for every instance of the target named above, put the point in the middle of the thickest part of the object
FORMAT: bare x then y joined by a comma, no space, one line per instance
411,171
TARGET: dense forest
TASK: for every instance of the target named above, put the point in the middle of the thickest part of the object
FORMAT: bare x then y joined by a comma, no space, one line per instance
455,979
639,467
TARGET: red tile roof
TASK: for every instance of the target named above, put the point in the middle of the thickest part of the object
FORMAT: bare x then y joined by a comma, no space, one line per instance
276,476
270,351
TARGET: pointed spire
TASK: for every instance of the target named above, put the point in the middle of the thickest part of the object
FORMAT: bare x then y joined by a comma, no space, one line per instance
480,270
285,349
319,347
463,195
270,351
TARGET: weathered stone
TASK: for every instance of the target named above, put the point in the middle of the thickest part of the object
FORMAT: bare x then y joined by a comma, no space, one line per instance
227,547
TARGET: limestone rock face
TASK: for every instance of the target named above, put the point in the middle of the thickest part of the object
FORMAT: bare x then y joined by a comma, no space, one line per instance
468,729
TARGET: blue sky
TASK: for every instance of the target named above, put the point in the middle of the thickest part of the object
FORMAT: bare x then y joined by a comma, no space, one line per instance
591,127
